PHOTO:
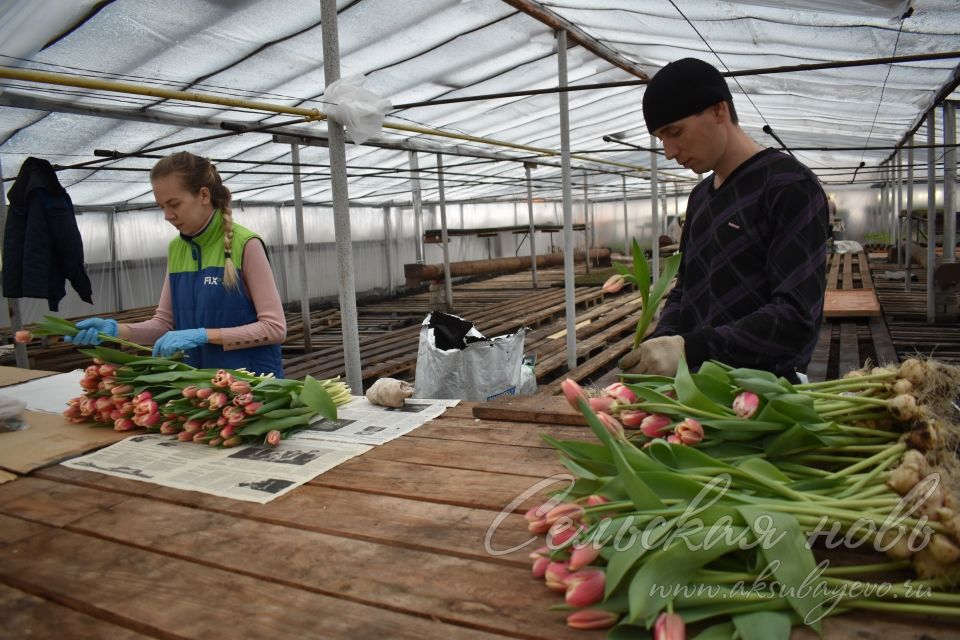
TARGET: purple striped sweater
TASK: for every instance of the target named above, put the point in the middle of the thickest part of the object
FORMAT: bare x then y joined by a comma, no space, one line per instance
751,283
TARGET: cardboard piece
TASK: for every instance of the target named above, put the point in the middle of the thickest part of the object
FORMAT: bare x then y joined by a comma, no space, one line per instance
538,409
49,440
14,375
6,477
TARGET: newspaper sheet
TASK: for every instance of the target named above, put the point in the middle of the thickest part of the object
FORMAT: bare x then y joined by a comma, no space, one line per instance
361,422
255,473
49,394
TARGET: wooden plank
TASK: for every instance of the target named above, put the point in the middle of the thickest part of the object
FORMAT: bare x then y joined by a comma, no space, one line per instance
817,369
449,589
849,347
53,503
541,409
168,596
527,461
499,432
835,261
882,344
27,616
851,303
865,276
847,271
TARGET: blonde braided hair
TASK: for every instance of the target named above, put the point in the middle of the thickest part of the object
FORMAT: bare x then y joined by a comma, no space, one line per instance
196,173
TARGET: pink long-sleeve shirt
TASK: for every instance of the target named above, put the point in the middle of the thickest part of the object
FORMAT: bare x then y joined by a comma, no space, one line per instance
270,327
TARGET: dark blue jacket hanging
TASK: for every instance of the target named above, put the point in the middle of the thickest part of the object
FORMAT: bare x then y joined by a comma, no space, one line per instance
41,242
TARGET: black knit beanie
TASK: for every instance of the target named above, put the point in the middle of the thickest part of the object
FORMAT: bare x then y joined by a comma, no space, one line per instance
682,88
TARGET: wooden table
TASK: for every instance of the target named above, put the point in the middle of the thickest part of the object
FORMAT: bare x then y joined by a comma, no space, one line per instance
387,545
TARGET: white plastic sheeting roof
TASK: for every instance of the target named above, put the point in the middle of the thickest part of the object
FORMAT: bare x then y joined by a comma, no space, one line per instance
418,50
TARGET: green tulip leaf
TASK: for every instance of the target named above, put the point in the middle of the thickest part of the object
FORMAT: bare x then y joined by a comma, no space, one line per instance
315,396
763,625
668,570
786,556
722,631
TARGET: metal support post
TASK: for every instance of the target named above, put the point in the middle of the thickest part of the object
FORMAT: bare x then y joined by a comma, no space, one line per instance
949,182
281,253
626,227
388,247
301,250
114,261
533,229
417,205
931,212
341,205
908,245
568,278
445,241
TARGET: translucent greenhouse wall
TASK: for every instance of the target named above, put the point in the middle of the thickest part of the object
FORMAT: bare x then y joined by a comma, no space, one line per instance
141,238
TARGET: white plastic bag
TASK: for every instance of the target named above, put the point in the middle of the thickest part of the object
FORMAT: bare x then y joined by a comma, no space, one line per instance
454,360
359,110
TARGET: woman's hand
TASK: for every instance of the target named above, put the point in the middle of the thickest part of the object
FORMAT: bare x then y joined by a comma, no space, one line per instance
173,341
90,330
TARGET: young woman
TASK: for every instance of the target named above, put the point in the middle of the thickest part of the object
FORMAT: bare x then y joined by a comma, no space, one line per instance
218,315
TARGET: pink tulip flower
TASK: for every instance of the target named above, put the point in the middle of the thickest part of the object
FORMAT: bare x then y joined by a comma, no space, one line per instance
539,568
612,425
632,419
594,500
22,337
614,283
746,404
240,387
621,393
574,393
669,626
674,439
591,619
583,555
570,511
273,438
585,588
222,379
654,425
556,576
689,431
217,400
603,403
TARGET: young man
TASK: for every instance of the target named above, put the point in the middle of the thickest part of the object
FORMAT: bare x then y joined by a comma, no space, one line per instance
751,282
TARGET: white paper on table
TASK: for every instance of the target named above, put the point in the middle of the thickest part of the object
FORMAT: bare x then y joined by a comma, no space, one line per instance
49,394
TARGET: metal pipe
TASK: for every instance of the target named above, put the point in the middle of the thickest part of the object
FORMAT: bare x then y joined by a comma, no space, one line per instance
341,205
301,251
899,238
282,253
114,263
907,246
931,215
626,227
655,212
45,77
13,304
841,64
568,277
587,231
533,230
388,247
949,183
444,239
417,204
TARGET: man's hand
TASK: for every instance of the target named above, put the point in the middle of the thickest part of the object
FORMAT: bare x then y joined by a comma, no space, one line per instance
657,356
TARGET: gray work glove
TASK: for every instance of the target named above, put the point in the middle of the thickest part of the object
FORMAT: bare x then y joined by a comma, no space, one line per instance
657,356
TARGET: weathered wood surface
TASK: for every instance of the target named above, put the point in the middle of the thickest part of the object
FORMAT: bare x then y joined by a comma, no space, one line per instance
387,545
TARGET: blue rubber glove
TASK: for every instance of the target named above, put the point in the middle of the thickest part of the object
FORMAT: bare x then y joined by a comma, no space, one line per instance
173,341
89,329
